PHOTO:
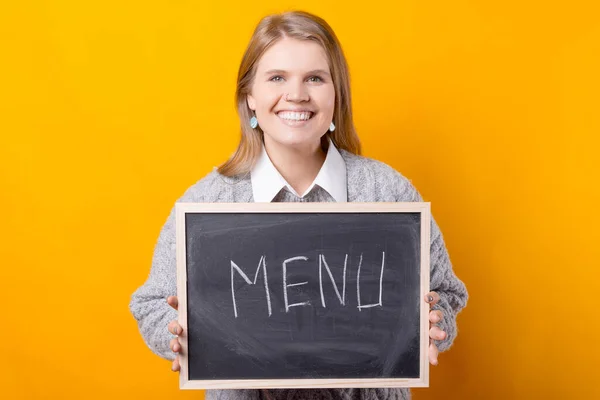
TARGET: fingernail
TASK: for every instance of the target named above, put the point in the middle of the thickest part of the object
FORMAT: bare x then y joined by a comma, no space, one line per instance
430,298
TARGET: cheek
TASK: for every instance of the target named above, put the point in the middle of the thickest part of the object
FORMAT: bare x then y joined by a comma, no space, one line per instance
266,99
331,102
331,98
328,103
328,100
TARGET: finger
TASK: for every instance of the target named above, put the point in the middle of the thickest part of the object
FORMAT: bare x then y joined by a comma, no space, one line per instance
173,302
175,345
433,353
176,365
432,298
436,333
436,316
175,328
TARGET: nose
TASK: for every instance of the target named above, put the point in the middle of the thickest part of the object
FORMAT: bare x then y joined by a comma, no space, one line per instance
296,93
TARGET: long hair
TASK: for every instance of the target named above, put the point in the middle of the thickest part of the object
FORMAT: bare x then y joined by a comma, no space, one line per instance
298,25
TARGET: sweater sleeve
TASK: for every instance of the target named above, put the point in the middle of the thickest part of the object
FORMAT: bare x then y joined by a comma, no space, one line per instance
148,303
453,292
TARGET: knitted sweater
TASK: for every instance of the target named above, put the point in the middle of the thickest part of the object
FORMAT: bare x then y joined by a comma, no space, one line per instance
368,180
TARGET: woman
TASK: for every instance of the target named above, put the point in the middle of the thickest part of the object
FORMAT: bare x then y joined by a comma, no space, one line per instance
298,144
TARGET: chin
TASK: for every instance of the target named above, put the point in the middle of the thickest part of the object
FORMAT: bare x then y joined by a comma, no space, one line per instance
296,139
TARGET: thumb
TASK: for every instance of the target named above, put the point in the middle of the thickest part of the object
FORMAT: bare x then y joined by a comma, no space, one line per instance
173,302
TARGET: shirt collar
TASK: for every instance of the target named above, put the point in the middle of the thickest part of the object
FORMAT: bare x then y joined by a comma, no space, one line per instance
267,181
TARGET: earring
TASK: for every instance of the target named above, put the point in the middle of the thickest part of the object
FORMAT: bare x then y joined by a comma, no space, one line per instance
331,127
253,122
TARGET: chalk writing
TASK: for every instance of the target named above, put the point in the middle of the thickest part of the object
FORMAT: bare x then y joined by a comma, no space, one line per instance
262,265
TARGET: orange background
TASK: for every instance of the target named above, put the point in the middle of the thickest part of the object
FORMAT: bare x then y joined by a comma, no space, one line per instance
109,110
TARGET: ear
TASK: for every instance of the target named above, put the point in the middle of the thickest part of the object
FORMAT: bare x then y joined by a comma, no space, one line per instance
251,102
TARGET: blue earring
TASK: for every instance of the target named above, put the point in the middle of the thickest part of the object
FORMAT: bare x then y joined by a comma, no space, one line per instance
253,122
331,127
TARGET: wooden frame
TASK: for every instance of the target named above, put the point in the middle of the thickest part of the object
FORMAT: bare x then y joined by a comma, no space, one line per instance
311,207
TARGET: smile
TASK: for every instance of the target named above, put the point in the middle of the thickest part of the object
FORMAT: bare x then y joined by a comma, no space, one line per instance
291,118
295,116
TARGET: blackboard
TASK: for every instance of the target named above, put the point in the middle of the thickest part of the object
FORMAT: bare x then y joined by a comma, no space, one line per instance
303,294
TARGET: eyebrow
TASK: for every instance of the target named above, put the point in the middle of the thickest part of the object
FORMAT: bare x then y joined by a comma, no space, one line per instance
314,71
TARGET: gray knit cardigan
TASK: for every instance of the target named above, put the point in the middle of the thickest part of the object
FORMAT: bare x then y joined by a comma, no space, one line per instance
368,180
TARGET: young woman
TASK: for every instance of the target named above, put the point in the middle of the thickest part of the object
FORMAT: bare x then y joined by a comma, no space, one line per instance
298,143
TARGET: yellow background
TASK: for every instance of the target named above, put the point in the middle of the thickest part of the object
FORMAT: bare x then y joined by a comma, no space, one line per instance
109,110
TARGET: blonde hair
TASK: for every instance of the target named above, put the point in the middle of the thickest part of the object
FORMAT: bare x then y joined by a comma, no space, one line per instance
298,25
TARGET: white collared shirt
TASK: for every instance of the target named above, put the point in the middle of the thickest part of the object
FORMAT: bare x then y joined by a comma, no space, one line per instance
267,182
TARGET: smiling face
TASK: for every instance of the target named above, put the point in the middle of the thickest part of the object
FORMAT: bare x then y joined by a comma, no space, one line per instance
292,93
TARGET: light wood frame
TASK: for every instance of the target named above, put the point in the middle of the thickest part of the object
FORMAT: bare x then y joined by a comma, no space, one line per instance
424,208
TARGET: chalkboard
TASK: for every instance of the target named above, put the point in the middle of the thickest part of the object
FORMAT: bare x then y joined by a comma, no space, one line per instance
275,295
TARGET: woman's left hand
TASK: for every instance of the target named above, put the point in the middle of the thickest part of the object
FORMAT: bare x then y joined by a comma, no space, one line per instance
435,332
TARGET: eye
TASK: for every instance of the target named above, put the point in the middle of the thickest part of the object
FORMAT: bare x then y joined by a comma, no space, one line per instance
274,79
318,79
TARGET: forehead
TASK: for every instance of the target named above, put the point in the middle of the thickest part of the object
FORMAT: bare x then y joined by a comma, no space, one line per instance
294,55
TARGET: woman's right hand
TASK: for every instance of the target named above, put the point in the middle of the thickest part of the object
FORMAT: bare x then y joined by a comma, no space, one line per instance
175,329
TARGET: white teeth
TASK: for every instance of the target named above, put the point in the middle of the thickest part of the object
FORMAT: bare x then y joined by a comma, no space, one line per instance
296,116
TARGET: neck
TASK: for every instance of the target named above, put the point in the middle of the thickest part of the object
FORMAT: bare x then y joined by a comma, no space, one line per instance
299,165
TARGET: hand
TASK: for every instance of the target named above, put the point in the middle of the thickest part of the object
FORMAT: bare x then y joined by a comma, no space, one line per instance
434,331
175,329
